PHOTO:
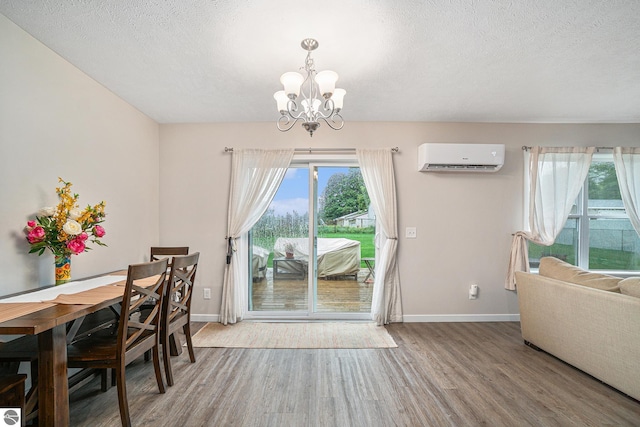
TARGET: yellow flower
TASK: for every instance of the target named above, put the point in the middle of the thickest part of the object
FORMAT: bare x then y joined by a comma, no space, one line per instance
85,216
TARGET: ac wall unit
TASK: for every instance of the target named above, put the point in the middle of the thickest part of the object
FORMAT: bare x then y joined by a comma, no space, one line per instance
442,157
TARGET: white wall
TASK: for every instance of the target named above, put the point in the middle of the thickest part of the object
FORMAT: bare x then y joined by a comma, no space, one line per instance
56,121
464,221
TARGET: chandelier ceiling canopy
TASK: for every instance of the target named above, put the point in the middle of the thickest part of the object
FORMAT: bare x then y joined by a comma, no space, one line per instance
310,97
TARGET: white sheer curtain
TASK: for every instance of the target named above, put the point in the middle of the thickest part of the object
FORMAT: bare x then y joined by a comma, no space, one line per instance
255,177
376,166
627,161
556,176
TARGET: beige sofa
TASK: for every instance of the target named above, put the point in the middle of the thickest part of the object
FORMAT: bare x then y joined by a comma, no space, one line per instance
589,320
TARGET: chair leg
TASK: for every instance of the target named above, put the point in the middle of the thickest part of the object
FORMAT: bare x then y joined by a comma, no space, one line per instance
166,358
122,396
175,348
104,379
187,333
156,366
31,404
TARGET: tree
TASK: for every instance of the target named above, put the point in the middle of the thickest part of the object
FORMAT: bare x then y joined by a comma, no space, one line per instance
344,194
603,183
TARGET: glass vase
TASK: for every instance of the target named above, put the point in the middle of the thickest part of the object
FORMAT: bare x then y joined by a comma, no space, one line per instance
63,269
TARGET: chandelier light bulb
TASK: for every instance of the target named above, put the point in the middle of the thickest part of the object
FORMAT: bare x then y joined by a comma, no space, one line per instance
338,98
281,99
292,82
326,82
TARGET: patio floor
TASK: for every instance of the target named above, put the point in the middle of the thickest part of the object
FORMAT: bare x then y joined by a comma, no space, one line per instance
335,295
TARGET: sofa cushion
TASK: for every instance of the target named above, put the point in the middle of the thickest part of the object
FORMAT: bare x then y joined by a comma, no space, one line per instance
630,286
561,270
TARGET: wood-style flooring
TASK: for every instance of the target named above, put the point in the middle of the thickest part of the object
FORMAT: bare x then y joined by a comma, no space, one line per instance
441,374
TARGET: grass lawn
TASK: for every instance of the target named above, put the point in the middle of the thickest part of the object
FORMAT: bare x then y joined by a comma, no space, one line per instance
599,259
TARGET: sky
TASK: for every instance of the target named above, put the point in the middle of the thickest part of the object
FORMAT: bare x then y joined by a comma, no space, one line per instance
294,190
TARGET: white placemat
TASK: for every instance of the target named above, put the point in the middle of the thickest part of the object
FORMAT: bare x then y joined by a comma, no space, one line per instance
67,288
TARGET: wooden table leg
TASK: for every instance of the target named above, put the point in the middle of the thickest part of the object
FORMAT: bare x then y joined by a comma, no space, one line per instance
53,388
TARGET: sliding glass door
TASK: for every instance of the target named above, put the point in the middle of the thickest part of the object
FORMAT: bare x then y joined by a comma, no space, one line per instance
313,251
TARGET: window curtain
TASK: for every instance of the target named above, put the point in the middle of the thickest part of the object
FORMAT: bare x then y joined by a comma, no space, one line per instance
376,166
627,162
255,177
556,176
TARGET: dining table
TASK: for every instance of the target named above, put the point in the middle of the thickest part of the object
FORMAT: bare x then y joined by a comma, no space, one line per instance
49,313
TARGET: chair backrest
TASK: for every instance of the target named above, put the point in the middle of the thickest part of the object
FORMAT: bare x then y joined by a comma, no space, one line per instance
178,292
12,393
158,252
145,286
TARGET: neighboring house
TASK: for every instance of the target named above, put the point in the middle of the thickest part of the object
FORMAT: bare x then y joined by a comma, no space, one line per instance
358,219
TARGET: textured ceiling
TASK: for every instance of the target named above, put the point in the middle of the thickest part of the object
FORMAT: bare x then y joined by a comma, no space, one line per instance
432,60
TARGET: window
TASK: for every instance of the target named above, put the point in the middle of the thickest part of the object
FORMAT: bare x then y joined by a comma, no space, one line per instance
598,234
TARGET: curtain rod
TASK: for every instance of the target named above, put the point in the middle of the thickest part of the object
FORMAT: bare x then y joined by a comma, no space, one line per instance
309,150
527,148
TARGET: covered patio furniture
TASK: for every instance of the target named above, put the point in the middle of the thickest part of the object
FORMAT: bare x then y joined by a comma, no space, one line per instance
336,256
259,263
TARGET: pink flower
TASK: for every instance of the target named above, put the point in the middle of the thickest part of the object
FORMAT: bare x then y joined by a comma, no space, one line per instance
31,224
76,246
36,235
83,236
98,231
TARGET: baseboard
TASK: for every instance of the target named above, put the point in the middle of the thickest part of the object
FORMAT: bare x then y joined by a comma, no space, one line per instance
413,318
212,318
427,318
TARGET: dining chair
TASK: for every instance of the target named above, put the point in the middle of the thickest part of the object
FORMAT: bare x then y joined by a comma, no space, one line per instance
158,252
177,307
135,335
12,396
12,354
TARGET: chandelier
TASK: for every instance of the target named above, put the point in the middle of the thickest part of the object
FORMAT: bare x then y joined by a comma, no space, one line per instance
309,98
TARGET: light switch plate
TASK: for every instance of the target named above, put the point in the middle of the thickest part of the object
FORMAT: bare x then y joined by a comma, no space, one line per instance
411,233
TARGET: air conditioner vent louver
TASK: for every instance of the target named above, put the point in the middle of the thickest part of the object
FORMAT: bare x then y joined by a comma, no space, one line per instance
465,167
438,157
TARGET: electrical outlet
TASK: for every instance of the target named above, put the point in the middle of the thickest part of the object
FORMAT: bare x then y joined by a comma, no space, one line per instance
207,293
411,233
